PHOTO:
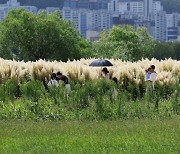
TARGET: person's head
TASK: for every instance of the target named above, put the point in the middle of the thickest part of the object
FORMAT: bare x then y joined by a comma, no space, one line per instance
105,70
115,80
59,74
152,68
148,70
53,76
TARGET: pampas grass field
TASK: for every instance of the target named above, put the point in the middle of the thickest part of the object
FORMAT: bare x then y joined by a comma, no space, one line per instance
92,119
168,71
21,82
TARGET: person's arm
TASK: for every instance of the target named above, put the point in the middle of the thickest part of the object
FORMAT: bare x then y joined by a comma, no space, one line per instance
49,83
67,82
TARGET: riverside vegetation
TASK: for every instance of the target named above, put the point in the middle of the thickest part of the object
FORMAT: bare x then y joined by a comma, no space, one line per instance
36,120
30,37
90,100
23,95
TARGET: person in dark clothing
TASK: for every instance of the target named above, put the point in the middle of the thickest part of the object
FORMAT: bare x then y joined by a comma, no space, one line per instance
105,73
115,92
62,77
115,80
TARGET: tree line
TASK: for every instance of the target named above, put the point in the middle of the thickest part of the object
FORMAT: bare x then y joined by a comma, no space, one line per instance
27,36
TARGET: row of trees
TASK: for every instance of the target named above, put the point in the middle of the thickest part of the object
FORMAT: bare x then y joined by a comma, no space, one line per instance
27,36
167,50
125,43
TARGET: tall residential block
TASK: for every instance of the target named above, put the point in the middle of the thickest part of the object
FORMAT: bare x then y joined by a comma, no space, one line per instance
148,7
12,4
85,20
86,4
126,6
160,26
172,26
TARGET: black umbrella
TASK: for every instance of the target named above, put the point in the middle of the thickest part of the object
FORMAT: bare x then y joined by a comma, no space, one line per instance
101,63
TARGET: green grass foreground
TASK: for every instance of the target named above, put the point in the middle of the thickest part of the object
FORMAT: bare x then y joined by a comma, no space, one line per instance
121,136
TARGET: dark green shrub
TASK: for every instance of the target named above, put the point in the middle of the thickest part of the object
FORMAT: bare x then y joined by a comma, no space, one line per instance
8,91
89,100
33,90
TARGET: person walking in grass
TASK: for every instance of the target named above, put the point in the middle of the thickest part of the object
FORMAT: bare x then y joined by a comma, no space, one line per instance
150,82
105,73
64,79
151,77
115,92
53,81
52,86
147,74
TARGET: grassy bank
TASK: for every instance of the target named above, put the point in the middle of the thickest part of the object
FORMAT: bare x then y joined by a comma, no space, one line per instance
86,101
130,136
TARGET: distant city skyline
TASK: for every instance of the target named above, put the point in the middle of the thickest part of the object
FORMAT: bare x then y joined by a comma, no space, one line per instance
91,17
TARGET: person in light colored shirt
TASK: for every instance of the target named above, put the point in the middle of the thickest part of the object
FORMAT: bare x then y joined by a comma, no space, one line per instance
53,81
147,75
64,79
152,76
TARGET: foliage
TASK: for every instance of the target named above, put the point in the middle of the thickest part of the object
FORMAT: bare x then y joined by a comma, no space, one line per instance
168,71
167,50
125,43
93,100
32,90
39,36
27,36
8,91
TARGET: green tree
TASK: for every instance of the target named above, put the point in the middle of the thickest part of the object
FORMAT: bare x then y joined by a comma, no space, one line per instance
126,43
165,50
177,50
39,36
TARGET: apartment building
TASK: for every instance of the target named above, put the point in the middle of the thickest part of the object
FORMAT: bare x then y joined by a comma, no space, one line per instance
86,20
12,4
